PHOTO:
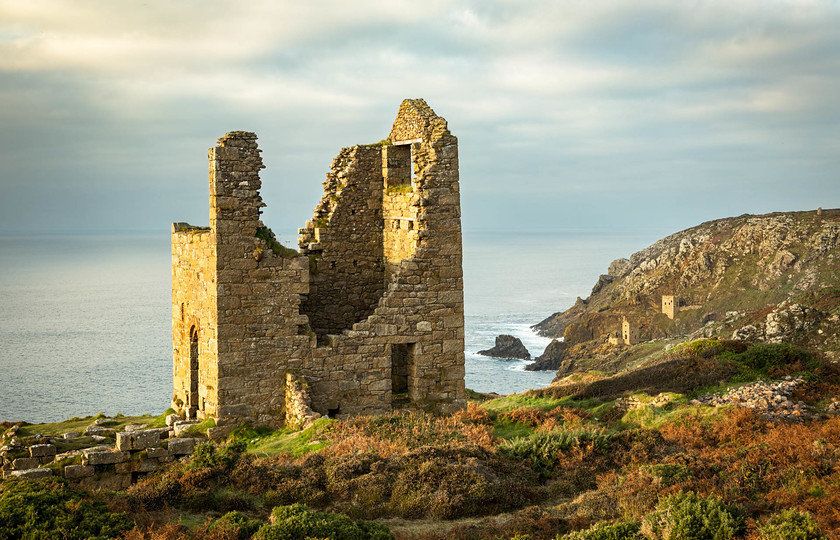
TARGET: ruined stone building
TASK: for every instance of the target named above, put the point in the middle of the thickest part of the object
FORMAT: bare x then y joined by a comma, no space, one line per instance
670,306
629,332
369,314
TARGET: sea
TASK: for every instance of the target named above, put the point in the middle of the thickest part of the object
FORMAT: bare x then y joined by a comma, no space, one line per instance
85,319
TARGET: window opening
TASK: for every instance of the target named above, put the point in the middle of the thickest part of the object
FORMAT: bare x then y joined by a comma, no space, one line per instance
402,370
193,403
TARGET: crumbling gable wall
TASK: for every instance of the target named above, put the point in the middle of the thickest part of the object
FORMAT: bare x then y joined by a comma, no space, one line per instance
384,295
344,241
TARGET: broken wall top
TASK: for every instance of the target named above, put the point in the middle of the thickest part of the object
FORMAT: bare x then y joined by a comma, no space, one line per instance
416,120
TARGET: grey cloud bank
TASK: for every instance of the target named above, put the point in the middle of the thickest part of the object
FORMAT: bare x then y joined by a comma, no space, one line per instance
647,115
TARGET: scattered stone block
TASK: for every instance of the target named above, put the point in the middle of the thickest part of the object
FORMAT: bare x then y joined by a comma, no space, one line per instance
42,450
100,421
137,440
135,427
105,457
143,466
99,430
22,464
72,472
180,447
71,435
181,426
156,452
172,418
30,474
220,432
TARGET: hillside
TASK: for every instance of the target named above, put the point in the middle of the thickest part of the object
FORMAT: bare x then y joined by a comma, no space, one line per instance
773,277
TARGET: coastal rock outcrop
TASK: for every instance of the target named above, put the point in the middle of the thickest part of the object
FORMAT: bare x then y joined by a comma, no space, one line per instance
771,277
552,358
508,347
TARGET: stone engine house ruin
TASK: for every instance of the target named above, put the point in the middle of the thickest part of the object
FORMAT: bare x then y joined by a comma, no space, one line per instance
368,316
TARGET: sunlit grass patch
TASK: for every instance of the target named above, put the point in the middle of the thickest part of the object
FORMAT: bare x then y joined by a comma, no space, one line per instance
286,441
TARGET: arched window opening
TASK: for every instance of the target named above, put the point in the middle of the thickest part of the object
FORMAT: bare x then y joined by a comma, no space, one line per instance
193,400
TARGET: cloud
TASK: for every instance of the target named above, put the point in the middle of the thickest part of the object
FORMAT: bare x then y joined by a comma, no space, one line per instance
617,100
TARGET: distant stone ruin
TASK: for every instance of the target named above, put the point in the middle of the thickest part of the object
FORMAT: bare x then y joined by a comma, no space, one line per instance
368,316
629,332
670,306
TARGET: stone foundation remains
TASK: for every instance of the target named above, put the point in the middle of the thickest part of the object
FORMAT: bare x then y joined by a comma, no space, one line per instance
369,314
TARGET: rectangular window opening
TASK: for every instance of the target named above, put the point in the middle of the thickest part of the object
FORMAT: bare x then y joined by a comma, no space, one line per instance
402,371
397,166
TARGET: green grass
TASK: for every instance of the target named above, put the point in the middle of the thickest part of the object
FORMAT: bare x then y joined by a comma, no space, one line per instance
78,425
265,234
515,401
285,441
511,430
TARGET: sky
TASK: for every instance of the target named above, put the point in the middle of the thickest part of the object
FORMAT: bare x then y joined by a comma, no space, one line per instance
629,116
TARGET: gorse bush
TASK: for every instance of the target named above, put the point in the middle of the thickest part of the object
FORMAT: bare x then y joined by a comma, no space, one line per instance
765,356
687,516
542,449
49,509
235,525
297,521
210,456
791,525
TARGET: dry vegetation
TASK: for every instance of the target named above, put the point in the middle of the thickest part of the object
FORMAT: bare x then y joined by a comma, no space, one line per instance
567,462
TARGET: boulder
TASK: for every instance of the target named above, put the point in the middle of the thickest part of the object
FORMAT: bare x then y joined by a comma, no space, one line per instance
551,358
507,347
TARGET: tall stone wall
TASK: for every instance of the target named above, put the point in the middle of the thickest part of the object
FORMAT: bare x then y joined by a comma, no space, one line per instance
344,240
258,290
194,320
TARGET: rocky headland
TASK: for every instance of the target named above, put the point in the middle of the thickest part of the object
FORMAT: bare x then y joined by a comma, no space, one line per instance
507,347
758,278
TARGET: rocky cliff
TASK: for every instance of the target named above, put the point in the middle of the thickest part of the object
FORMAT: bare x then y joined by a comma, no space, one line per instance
773,277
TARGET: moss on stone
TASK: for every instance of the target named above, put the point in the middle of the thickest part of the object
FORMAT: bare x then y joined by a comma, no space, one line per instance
265,234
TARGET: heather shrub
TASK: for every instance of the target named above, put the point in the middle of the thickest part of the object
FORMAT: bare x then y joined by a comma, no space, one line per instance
608,531
297,521
210,456
791,525
235,525
542,449
687,516
49,509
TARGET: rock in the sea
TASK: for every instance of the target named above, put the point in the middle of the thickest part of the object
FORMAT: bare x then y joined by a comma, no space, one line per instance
508,347
551,358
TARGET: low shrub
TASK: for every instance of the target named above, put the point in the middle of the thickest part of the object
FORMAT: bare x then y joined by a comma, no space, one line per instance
542,448
764,357
235,525
49,509
688,516
297,521
791,525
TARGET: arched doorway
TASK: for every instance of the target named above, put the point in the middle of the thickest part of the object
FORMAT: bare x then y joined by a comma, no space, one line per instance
192,398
